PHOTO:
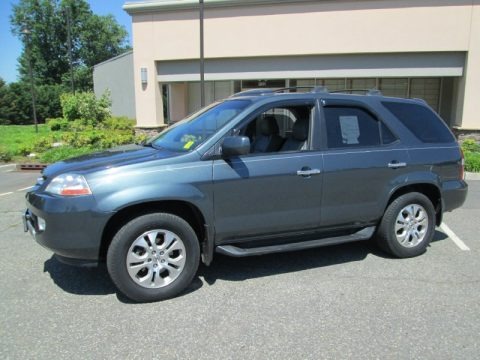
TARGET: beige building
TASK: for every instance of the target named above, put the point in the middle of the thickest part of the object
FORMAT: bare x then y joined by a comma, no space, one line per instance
426,49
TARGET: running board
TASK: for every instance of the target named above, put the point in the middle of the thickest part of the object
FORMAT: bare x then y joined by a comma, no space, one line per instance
236,251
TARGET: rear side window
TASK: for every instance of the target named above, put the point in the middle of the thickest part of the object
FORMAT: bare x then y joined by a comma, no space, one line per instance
354,127
421,121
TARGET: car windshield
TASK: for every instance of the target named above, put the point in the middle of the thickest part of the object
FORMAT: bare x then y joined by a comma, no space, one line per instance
187,134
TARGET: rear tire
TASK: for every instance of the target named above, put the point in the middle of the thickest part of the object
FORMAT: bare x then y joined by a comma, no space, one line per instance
153,257
407,227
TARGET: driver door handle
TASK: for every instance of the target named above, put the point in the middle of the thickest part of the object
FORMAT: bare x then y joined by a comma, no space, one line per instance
307,172
396,165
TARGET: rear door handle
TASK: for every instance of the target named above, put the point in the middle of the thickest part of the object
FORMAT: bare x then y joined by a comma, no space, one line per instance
396,165
308,172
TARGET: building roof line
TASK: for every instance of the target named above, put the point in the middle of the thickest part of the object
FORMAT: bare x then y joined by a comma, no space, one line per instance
169,5
129,52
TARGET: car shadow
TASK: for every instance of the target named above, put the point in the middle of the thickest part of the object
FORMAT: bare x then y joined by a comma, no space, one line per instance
439,236
239,269
79,280
96,281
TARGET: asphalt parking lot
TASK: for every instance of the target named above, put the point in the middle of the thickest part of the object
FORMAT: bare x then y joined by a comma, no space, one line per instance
347,301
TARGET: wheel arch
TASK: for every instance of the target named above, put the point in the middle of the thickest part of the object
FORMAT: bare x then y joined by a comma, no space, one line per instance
431,191
183,209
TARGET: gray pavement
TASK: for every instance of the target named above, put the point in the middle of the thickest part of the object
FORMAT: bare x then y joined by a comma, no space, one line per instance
347,301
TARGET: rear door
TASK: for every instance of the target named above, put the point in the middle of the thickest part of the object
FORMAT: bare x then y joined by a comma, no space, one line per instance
363,161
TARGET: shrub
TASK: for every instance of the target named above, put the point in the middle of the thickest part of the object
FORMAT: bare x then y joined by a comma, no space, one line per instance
5,155
470,145
119,123
24,149
140,138
97,139
86,107
58,124
472,161
42,144
79,126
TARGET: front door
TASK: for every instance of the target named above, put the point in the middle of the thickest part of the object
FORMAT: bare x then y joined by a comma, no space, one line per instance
278,191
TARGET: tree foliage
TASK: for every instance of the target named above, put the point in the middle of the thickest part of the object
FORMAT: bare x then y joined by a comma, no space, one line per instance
94,39
41,25
16,102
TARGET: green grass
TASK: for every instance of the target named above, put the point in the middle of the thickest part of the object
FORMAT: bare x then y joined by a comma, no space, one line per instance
472,161
15,137
12,137
18,141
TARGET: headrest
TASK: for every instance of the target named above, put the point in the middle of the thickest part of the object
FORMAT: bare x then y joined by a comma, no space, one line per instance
300,129
269,125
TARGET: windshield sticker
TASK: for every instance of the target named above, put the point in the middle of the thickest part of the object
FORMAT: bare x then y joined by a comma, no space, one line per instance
350,129
188,145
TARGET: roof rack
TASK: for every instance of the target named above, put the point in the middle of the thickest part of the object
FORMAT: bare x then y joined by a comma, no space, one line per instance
370,92
315,89
253,92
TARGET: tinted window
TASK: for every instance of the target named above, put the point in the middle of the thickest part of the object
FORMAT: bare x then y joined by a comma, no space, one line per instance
387,135
351,127
421,121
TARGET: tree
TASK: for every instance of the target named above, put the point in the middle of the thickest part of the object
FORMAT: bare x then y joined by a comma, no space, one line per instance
94,39
16,102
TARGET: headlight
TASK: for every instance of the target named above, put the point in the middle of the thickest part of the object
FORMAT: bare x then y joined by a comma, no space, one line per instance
69,185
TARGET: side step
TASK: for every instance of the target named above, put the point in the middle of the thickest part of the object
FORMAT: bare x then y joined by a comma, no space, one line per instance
236,251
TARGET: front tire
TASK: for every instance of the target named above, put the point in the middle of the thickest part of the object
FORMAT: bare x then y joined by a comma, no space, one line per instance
408,225
153,257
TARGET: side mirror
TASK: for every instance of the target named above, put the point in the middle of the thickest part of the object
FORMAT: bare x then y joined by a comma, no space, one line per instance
235,146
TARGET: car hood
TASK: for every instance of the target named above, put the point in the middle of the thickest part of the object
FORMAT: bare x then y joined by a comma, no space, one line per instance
122,155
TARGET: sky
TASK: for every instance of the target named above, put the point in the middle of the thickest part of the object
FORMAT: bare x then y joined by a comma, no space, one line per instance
11,47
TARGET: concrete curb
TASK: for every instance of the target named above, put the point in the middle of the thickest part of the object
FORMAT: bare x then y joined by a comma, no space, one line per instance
31,166
472,176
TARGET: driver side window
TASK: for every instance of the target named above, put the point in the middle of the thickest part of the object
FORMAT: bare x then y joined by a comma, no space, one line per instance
279,129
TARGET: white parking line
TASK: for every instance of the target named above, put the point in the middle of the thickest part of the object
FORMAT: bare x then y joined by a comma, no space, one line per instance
454,237
29,187
7,193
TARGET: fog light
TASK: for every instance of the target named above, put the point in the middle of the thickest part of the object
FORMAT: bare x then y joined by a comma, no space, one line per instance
41,224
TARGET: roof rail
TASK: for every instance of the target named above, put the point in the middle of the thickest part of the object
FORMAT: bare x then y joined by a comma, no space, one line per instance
316,89
253,92
320,89
370,92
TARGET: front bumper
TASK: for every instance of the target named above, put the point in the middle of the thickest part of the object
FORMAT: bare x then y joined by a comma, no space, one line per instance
73,228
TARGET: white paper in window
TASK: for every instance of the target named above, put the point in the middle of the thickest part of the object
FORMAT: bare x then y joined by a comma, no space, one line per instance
350,129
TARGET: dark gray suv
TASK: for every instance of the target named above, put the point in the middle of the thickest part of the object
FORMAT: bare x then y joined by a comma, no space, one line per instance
263,171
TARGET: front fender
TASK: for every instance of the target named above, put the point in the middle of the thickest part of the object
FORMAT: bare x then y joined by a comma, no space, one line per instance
118,188
148,193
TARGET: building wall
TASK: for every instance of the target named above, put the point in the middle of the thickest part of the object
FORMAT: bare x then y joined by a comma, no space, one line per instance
304,28
116,76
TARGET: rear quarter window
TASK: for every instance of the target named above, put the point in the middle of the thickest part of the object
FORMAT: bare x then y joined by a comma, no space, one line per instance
421,121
